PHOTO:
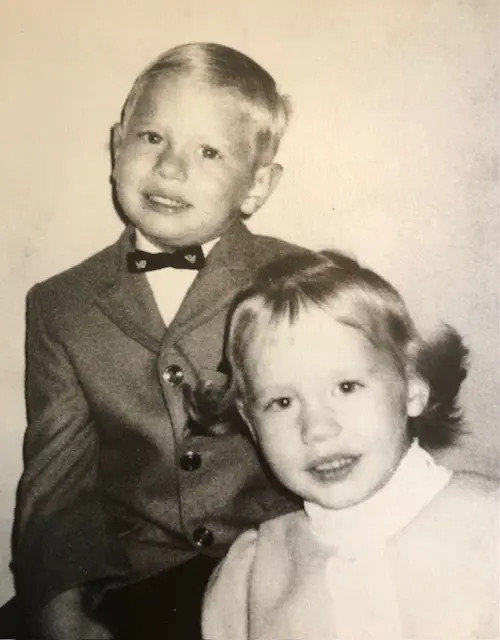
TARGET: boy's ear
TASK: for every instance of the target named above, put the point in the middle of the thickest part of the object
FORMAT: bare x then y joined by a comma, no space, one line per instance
240,405
116,137
265,182
417,396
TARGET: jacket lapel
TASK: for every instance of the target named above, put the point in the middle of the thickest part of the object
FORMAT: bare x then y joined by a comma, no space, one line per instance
126,298
229,267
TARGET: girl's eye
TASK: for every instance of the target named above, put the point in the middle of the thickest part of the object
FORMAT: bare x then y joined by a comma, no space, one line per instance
279,404
151,137
209,152
348,386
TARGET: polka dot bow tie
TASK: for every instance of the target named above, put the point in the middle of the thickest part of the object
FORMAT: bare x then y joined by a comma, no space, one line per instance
189,258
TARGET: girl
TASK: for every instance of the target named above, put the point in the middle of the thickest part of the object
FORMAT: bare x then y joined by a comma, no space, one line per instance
342,397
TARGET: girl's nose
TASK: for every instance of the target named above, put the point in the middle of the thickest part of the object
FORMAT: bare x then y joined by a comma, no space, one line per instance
170,164
319,423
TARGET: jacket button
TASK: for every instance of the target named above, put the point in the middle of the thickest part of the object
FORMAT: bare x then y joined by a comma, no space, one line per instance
203,537
173,375
190,461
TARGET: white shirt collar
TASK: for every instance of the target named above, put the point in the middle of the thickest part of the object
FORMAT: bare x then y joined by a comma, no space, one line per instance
142,243
169,286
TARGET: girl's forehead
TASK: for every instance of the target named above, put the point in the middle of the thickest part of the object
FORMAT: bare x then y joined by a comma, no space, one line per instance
307,317
313,328
316,346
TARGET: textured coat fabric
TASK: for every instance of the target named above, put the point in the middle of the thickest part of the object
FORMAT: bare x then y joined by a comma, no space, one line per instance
103,494
274,583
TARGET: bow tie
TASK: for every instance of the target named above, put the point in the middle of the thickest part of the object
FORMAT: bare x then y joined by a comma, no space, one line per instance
189,258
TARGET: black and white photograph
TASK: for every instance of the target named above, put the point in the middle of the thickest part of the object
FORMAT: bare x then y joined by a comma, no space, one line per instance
251,317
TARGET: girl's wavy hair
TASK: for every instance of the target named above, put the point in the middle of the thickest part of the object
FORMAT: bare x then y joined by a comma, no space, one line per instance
216,65
356,297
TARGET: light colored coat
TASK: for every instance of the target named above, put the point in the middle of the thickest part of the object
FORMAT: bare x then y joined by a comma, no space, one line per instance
273,583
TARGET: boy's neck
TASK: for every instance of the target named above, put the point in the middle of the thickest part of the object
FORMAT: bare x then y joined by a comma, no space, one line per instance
144,244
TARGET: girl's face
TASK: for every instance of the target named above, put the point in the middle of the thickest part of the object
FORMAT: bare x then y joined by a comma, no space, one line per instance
327,408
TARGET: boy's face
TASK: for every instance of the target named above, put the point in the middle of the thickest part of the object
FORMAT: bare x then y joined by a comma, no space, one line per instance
184,164
328,410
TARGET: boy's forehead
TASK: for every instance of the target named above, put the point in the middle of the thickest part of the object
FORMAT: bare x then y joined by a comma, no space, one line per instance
164,91
197,107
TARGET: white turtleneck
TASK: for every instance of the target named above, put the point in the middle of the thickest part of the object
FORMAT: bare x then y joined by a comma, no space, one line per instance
358,573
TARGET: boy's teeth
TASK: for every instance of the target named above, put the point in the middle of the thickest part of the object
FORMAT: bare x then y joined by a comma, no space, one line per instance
168,202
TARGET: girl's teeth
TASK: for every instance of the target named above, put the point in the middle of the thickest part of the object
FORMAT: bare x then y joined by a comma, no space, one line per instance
335,464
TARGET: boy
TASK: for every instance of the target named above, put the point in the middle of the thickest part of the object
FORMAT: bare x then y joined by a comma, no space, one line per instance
123,508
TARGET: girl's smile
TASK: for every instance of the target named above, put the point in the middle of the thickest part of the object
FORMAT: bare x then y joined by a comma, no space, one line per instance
333,469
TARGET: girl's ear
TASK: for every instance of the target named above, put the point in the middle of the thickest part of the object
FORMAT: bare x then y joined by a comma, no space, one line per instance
240,405
417,396
265,182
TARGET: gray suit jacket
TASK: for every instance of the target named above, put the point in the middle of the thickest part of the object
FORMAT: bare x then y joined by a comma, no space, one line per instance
106,492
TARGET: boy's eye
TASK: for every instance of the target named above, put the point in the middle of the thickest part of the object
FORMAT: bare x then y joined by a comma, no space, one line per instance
151,137
210,152
348,386
279,404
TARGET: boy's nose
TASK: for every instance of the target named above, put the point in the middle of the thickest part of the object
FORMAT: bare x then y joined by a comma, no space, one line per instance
170,164
319,423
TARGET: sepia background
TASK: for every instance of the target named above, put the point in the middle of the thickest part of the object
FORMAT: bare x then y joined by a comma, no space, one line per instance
392,154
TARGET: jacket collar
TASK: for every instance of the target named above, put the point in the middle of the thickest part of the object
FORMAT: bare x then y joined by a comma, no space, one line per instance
128,301
126,298
229,267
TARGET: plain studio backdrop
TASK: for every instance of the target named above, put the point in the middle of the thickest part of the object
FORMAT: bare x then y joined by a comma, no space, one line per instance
392,155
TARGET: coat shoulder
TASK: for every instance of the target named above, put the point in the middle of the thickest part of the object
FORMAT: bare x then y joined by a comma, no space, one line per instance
475,489
89,274
269,248
272,243
470,502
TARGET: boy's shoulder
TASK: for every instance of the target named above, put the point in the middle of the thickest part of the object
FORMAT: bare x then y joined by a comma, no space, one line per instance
97,268
102,265
242,248
273,243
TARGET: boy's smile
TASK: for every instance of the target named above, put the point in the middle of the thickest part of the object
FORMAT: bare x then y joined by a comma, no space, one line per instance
185,162
160,202
328,409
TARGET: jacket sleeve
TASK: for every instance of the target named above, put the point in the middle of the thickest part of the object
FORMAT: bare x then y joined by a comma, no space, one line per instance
226,602
59,535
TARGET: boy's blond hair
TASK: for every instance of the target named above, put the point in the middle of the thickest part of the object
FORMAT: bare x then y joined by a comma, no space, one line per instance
222,67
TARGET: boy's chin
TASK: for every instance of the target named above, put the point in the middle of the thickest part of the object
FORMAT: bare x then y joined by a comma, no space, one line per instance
169,244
